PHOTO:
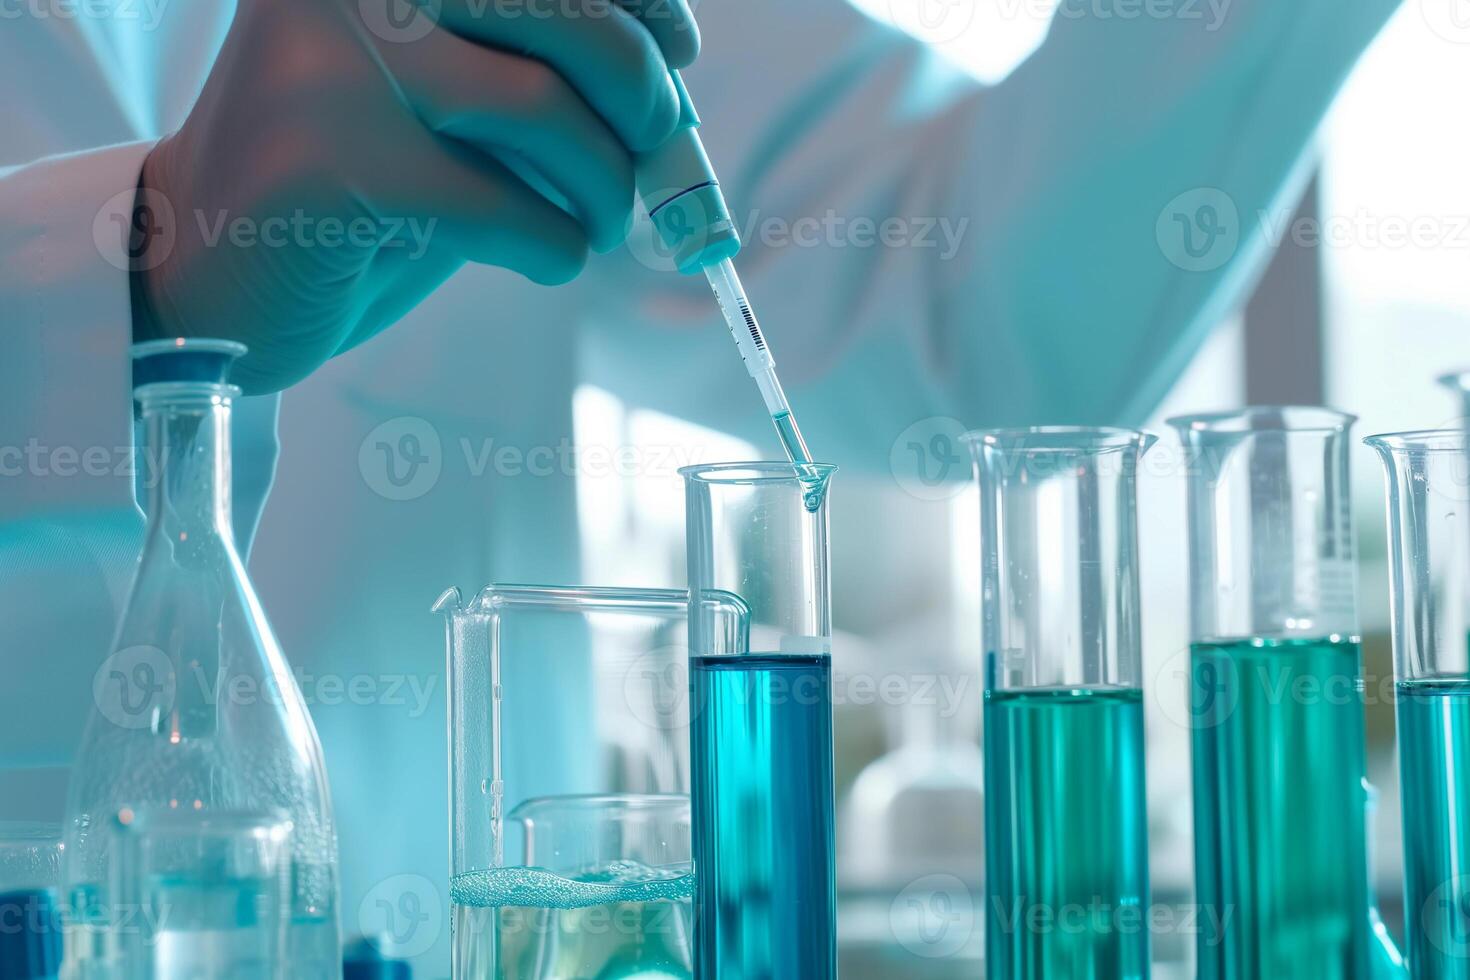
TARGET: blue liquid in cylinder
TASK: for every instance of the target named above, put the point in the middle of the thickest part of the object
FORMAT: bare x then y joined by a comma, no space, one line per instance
764,849
1280,841
1434,764
1066,845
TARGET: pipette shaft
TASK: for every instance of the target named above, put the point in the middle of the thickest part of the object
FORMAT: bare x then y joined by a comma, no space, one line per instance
757,355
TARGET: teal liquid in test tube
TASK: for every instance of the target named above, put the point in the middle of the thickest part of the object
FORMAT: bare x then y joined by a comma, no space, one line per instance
1428,475
1276,711
691,217
761,725
1066,843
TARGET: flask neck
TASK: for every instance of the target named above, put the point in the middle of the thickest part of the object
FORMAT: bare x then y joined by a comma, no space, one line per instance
187,429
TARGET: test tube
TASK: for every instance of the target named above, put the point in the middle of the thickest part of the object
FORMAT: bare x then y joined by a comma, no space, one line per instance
1066,844
761,724
201,894
1275,705
1428,475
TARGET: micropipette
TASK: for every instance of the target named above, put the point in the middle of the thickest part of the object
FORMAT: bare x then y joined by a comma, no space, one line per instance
758,361
682,194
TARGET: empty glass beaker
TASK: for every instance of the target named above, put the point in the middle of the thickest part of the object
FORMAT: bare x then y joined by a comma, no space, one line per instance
196,707
1066,831
30,906
761,718
201,894
571,841
1275,697
1428,475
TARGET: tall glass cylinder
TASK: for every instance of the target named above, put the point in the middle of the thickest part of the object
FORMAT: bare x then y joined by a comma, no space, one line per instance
1066,842
1276,697
761,724
1429,563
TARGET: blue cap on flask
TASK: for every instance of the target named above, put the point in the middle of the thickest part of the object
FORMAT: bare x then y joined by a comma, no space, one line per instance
364,959
185,359
31,948
679,188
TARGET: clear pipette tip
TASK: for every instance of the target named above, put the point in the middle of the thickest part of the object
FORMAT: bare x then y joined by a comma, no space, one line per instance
758,361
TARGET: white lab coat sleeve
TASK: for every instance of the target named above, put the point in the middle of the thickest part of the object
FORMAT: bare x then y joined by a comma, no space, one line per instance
919,245
70,527
1133,172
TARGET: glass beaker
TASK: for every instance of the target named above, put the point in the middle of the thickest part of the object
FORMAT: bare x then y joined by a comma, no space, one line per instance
571,843
603,888
761,723
196,706
1428,475
1066,831
1275,697
201,894
30,906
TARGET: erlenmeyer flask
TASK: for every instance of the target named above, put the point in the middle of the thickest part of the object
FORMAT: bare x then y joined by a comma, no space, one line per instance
195,707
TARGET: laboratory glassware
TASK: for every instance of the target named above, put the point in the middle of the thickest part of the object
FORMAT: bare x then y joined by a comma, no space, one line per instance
203,894
555,836
1428,478
761,719
196,707
1066,836
1275,696
30,907
1387,960
687,208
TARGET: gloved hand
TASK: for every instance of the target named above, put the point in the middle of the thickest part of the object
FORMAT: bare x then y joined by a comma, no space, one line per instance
347,156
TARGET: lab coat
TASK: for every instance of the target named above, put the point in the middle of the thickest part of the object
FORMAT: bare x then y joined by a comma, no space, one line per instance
1056,299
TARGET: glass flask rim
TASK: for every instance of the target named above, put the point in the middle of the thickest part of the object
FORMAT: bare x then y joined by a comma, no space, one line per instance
1415,442
274,824
756,472
1256,419
169,393
1060,439
193,345
14,832
582,803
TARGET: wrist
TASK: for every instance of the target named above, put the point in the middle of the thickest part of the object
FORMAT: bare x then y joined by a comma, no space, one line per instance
151,244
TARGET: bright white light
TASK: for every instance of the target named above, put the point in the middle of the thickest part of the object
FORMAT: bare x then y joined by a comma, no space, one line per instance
988,38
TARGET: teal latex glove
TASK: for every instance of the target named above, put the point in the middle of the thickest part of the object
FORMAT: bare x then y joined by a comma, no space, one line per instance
347,156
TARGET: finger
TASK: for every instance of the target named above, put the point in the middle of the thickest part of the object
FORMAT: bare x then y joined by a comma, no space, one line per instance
605,52
672,25
498,101
475,206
